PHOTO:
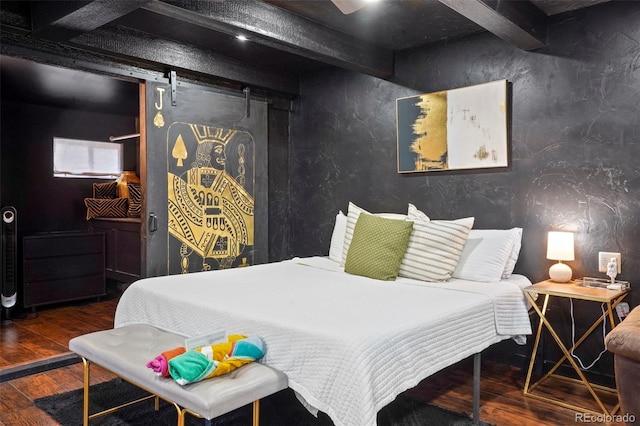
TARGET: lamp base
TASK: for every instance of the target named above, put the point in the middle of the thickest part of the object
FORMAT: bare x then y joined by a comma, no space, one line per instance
560,273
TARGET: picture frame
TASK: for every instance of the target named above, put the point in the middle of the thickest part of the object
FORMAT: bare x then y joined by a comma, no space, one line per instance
457,129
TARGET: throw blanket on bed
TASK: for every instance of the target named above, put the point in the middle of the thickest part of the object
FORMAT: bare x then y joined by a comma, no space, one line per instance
342,340
208,361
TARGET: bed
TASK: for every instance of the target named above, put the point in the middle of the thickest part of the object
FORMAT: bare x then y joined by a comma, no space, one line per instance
349,344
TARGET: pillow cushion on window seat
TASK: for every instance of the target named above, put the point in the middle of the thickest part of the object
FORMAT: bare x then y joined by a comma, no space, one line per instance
434,246
106,207
377,247
135,199
126,177
105,190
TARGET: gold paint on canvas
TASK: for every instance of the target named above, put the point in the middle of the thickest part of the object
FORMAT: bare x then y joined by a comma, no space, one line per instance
430,129
481,153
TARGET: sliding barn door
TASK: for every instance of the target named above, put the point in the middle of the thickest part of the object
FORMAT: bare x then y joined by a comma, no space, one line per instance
206,180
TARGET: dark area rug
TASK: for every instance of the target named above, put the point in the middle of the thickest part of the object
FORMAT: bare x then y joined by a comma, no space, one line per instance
280,409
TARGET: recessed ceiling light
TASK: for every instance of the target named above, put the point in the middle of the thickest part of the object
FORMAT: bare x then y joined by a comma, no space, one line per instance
241,37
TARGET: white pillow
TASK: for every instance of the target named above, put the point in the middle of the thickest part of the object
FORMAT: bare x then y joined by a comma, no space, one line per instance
337,237
434,246
352,217
485,255
516,234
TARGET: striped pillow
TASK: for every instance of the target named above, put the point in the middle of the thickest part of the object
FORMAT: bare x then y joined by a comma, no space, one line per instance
434,247
352,217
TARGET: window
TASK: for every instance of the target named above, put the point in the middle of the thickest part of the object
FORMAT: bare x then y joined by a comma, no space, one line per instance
75,158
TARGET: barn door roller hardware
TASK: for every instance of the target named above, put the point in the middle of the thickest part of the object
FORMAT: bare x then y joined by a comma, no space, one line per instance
173,79
247,100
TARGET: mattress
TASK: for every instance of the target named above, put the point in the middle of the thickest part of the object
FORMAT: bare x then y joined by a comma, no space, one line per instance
348,344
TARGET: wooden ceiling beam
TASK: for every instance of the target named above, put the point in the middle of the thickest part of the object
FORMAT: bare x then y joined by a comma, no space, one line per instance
61,21
518,22
273,27
133,45
262,23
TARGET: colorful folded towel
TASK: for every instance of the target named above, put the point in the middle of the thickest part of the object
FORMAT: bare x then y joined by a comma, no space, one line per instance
160,364
208,361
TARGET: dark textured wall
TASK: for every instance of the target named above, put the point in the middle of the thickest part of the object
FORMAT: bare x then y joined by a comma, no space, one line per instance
575,143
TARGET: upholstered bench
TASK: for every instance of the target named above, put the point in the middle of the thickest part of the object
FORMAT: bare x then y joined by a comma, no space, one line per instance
124,351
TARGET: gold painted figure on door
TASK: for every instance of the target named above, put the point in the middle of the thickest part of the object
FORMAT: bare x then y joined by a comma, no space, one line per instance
211,205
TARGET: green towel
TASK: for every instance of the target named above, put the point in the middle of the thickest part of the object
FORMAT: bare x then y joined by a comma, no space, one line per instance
215,360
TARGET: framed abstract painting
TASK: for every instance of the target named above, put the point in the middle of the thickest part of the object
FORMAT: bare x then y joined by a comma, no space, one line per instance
465,128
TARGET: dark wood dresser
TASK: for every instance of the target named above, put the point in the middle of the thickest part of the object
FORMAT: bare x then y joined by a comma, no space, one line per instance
123,247
62,266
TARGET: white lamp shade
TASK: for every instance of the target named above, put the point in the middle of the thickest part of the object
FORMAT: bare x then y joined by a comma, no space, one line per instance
560,246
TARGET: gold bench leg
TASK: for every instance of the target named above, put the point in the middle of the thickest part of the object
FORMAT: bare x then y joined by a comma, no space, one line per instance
85,403
181,411
256,412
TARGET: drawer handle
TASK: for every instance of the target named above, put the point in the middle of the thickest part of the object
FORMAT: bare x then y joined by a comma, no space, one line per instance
153,222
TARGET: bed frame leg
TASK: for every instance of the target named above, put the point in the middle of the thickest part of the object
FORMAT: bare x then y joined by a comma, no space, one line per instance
476,388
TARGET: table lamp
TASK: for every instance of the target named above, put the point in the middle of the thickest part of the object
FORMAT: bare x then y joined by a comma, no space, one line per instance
560,247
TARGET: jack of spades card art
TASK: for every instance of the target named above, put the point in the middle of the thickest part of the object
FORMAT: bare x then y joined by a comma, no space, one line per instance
211,200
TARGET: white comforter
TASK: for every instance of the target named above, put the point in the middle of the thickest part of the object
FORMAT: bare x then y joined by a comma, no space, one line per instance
348,344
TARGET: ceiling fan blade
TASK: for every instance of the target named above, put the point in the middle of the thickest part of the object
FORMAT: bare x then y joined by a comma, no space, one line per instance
348,6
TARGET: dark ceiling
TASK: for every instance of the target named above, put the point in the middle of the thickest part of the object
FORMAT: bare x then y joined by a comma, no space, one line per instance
286,38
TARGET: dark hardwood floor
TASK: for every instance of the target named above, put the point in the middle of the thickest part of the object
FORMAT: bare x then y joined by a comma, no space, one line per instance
44,336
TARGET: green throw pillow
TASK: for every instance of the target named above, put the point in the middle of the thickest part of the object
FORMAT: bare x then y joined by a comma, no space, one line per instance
377,247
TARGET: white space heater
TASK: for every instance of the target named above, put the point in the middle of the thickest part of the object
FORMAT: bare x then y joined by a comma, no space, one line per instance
8,254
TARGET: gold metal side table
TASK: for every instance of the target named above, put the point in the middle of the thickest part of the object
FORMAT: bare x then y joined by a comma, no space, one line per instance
571,290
